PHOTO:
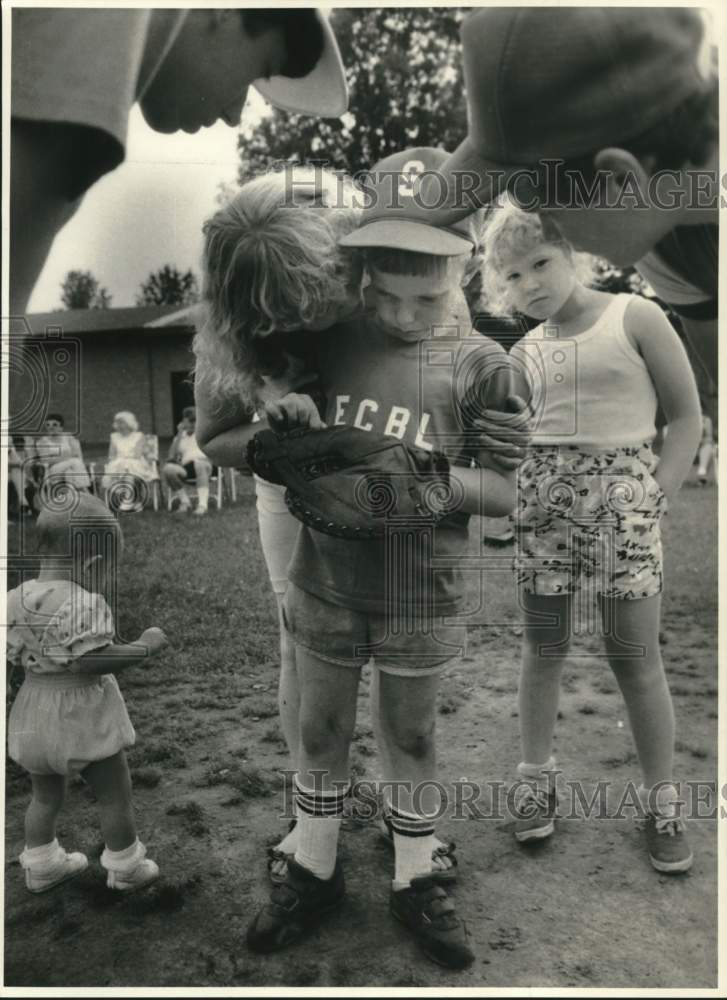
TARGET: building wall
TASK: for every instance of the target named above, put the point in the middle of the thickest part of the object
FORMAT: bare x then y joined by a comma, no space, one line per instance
90,377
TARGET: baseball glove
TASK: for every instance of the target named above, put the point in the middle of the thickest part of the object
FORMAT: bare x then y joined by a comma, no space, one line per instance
352,483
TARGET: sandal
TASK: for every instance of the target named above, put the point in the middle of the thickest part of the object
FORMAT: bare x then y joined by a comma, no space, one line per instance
443,851
276,857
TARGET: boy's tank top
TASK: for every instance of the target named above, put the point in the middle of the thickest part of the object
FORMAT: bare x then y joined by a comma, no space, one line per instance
592,390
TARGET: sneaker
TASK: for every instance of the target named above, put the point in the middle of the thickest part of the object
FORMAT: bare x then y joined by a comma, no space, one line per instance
138,872
181,505
426,909
146,872
535,810
666,838
41,878
297,905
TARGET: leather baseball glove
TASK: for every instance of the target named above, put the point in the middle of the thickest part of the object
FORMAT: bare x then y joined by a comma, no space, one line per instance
352,483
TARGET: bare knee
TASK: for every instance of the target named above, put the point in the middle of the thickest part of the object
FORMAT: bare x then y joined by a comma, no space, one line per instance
324,735
549,649
415,740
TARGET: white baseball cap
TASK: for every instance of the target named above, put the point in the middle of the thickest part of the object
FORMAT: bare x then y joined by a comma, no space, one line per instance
323,92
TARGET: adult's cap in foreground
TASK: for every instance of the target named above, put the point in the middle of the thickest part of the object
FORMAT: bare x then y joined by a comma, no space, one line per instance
323,92
396,215
547,83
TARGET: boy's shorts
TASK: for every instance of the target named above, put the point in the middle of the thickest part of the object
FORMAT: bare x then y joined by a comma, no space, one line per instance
350,638
589,520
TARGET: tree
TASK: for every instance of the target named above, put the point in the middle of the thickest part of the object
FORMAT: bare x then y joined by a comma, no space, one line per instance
80,290
168,287
404,68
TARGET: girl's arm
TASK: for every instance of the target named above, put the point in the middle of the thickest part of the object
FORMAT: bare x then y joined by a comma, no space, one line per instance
676,388
116,657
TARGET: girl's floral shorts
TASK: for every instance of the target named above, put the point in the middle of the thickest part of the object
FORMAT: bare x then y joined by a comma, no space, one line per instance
589,519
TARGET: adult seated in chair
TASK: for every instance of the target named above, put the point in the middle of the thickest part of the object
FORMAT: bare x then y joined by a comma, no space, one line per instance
186,460
58,456
128,468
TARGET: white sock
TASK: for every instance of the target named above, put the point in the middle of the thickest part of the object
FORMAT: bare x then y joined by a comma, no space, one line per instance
662,800
203,497
289,842
125,859
319,822
413,846
41,857
542,774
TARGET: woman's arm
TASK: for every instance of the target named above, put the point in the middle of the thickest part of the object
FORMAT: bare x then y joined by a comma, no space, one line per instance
112,448
676,388
223,428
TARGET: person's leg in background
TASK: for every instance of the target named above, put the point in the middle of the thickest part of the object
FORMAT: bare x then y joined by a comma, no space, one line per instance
202,472
174,477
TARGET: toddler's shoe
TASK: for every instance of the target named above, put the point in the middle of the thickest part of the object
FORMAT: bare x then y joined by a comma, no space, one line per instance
129,869
49,866
426,909
297,905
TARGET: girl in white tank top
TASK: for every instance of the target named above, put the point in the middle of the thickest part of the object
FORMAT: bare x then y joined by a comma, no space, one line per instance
590,500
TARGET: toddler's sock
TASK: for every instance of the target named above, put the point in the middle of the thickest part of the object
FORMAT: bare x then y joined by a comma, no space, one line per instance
129,868
203,497
48,865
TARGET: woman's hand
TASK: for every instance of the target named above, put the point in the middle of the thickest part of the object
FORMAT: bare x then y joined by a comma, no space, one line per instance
293,410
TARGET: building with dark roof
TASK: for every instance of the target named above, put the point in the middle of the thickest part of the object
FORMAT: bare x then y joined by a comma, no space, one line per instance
88,364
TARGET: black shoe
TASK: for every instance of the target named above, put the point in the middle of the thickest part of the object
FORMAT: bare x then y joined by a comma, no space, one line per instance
296,907
426,909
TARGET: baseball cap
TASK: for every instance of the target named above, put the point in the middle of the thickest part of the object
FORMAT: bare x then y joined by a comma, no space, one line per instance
397,213
559,83
322,92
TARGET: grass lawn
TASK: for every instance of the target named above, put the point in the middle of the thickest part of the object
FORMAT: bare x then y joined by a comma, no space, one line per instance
208,790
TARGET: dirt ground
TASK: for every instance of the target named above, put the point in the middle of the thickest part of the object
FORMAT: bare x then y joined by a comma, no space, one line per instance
584,909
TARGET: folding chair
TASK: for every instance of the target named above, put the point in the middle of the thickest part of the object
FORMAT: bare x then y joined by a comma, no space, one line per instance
150,454
220,484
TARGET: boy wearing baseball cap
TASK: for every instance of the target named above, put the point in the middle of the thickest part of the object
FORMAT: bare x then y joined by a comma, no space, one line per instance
77,72
407,370
606,118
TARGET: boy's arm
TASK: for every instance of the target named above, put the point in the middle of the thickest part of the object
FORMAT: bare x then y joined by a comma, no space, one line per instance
495,408
485,491
676,388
